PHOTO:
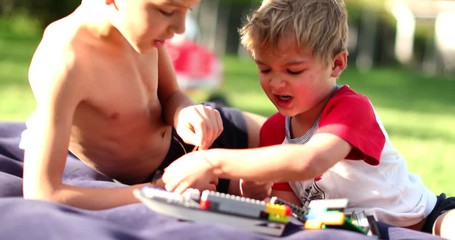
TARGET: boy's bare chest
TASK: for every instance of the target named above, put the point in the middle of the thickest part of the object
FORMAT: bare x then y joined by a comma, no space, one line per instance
122,88
121,117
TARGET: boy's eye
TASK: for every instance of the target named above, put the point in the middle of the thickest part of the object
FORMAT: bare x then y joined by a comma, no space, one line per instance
166,13
264,70
293,72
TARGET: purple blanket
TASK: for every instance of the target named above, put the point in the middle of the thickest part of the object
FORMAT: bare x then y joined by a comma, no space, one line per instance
28,219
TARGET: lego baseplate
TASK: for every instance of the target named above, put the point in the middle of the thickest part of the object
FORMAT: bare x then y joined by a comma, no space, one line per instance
223,209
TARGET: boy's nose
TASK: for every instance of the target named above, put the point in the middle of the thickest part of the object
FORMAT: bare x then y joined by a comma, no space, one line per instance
179,24
276,81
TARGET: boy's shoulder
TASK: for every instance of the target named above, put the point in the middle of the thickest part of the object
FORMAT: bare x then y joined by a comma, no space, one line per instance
347,97
57,41
347,91
59,57
65,42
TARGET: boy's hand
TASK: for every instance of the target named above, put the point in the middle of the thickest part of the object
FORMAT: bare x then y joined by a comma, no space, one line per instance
255,190
199,125
190,171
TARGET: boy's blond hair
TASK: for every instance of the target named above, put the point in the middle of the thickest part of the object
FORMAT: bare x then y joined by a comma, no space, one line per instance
318,25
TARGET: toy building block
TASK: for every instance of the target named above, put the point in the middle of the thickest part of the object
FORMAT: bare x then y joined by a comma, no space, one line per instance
217,208
330,204
321,218
221,202
297,212
367,222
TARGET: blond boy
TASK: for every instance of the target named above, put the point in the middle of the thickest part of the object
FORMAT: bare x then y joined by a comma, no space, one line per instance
333,142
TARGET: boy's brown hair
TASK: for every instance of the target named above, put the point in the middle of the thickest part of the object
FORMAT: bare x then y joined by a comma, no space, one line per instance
318,25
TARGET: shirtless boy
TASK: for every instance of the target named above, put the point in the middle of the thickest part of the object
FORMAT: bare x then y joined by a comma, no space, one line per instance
106,91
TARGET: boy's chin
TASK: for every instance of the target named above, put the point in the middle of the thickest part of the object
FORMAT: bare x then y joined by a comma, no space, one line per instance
286,113
143,48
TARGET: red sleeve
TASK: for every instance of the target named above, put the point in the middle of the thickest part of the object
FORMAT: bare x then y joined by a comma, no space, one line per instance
351,117
282,186
273,132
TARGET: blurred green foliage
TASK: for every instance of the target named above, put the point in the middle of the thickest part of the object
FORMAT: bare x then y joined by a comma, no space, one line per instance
44,11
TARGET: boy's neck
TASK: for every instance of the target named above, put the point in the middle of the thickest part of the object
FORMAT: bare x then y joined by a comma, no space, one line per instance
305,121
95,16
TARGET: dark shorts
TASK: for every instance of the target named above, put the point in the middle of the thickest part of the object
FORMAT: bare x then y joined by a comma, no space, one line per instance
234,135
443,205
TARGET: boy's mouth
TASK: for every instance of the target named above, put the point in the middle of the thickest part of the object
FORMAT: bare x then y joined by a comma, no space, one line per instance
283,101
158,43
284,97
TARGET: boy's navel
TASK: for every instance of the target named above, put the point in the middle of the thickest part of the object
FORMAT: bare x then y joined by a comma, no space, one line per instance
114,116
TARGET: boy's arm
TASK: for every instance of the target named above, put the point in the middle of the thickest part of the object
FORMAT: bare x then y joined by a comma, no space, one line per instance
44,163
196,124
169,93
45,156
277,163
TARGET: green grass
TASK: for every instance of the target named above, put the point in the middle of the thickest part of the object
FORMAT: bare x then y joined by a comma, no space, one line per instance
18,41
418,112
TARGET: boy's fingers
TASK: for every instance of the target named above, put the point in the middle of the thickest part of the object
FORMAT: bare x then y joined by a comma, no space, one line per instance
201,126
182,186
213,128
214,181
209,126
212,187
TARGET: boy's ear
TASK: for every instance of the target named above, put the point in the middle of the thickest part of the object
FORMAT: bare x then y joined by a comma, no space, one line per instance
109,2
339,63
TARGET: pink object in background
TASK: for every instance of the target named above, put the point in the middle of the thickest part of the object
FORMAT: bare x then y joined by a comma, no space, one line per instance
196,67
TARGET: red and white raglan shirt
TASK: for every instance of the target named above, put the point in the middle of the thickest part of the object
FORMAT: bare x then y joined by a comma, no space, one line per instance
373,177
